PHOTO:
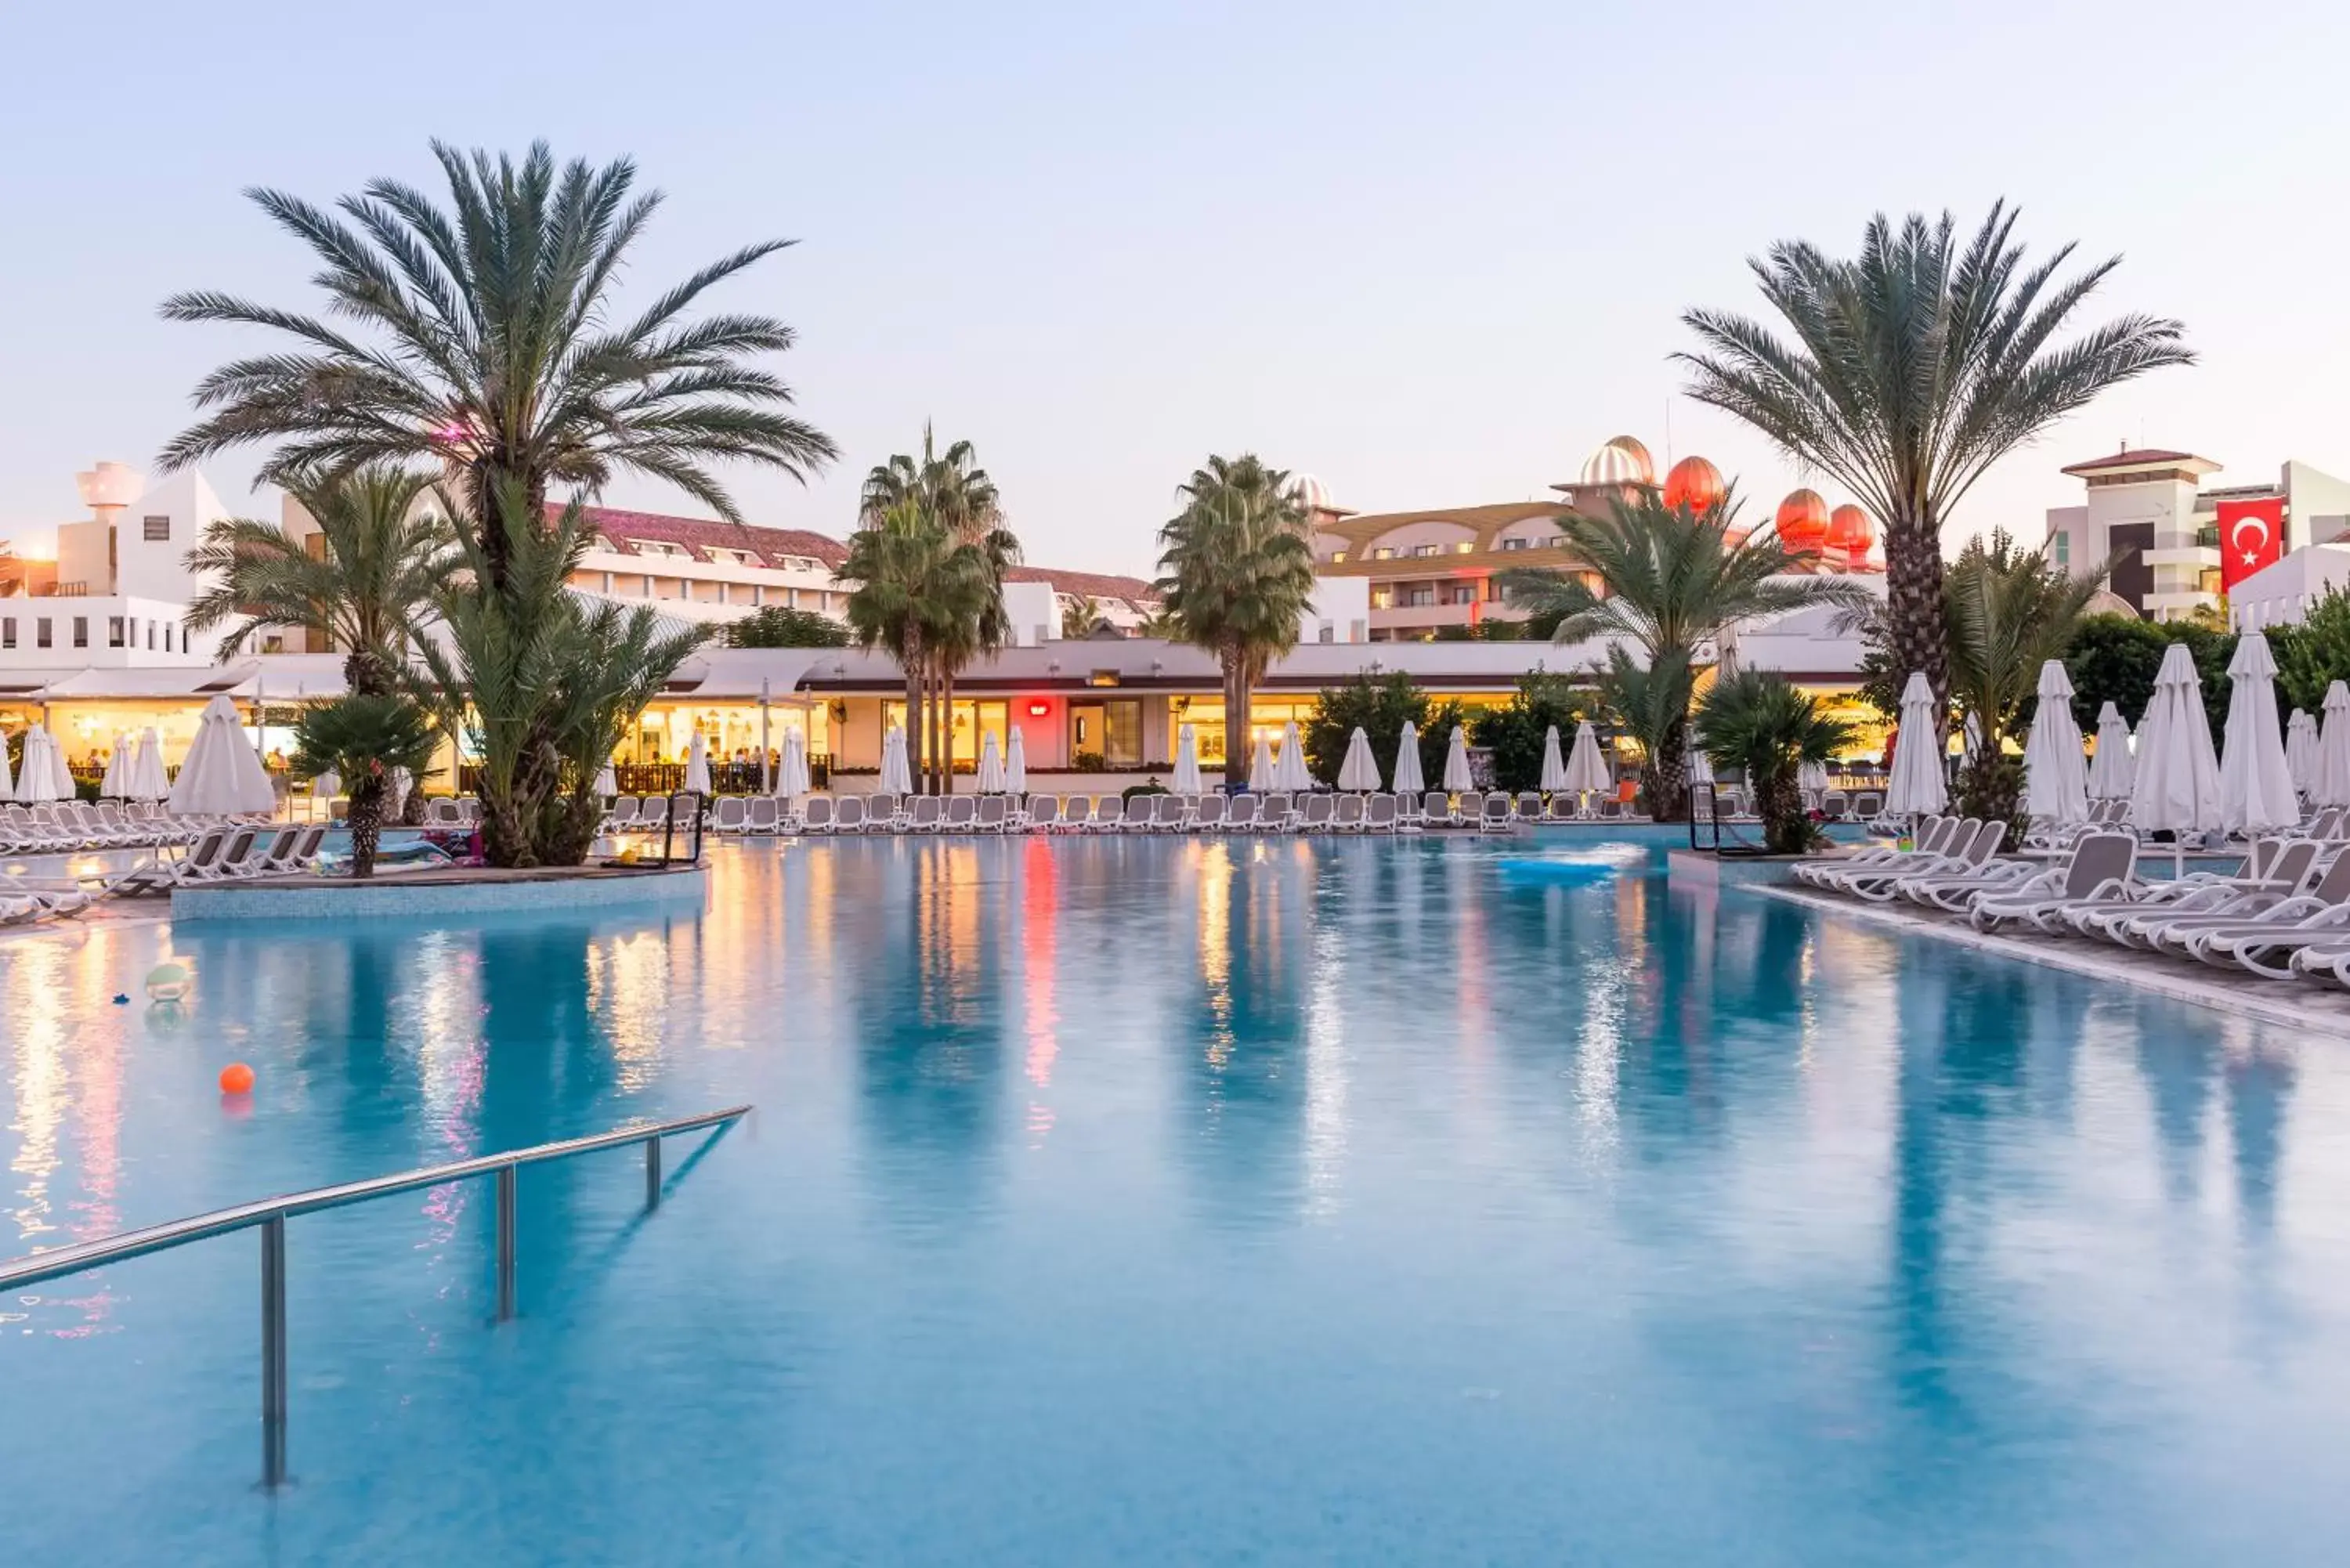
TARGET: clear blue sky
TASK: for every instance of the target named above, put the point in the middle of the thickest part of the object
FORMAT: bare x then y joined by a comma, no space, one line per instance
1433,254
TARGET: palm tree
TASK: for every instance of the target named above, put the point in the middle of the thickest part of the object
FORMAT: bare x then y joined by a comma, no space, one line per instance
1913,369
1650,702
486,341
542,681
1758,722
382,560
1236,574
365,737
1079,617
2009,610
958,497
1669,580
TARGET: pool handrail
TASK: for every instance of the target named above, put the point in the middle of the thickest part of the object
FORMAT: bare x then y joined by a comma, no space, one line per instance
270,1214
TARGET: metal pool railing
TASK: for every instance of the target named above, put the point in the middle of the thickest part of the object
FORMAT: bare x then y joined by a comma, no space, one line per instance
271,1213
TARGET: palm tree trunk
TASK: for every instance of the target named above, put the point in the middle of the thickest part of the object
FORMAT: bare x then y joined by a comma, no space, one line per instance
946,730
1780,803
1236,722
1668,781
365,822
1913,609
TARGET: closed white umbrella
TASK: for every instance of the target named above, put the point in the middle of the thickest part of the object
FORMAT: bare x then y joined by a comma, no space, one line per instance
327,785
2055,774
1812,776
1586,770
59,767
990,765
766,779
1701,768
2178,784
1553,765
1408,777
2112,771
697,766
608,782
2300,750
1016,765
1359,772
7,779
897,776
792,772
1917,787
1456,763
1290,768
2332,748
222,774
117,771
403,782
2256,791
36,775
1187,761
1261,768
147,779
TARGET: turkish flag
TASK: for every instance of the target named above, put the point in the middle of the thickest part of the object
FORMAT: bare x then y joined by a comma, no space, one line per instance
2251,535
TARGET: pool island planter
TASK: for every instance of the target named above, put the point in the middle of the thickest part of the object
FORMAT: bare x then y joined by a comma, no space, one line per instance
468,890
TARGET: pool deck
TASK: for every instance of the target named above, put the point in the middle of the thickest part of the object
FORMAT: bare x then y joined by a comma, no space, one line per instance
2299,1004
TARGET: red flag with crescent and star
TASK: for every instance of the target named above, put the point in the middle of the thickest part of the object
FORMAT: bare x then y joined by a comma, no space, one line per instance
2251,535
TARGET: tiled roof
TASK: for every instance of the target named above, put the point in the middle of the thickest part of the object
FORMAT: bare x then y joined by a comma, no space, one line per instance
2132,458
1088,585
698,534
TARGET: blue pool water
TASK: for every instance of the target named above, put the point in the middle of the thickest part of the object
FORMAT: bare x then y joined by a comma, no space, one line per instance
1142,1202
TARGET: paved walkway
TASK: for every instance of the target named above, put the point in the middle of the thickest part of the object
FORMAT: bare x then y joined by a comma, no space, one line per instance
2300,1004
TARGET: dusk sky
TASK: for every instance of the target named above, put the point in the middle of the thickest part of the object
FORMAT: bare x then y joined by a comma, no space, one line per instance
1433,255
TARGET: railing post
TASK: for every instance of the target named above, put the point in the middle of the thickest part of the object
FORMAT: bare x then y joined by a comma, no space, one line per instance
652,1171
273,1351
505,1242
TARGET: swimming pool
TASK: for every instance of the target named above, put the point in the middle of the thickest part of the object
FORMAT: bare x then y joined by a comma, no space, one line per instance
1149,1202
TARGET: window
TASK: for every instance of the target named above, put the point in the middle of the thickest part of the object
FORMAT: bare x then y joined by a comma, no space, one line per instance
1419,597
41,632
150,637
81,631
158,530
1384,553
9,632
1428,549
114,631
1513,544
1338,557
2062,544
275,643
1383,599
1465,547
1462,594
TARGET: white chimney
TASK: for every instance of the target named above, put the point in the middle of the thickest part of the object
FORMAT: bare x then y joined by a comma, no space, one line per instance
110,487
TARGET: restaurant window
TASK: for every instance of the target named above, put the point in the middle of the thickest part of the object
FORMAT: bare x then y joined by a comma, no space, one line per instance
81,631
114,631
41,632
158,530
972,722
1111,730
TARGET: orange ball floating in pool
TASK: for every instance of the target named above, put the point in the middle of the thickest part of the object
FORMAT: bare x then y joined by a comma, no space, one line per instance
236,1078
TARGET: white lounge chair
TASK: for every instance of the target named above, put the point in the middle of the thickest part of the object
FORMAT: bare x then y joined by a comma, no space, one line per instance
1319,813
1044,814
762,813
1883,886
1494,815
2100,864
1109,814
848,814
2271,945
994,813
729,815
1379,816
1208,816
963,814
816,815
1076,813
1239,814
1348,816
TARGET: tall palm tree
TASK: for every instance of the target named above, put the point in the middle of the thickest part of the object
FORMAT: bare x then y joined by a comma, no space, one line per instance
893,560
1912,369
956,494
1669,580
1236,574
483,336
382,560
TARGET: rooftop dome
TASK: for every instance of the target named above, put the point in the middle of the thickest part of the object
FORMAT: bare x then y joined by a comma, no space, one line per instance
1621,461
1803,521
1851,530
1311,493
1694,485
